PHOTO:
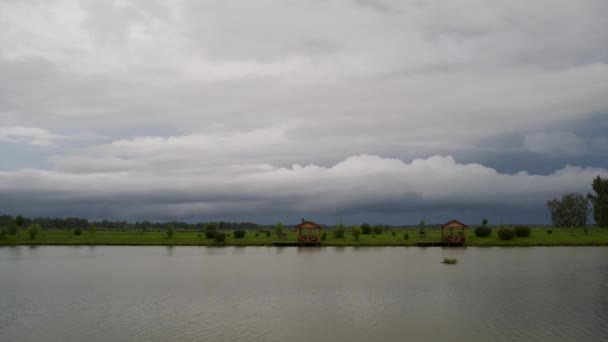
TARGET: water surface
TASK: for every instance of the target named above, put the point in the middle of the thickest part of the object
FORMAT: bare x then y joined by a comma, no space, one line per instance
303,294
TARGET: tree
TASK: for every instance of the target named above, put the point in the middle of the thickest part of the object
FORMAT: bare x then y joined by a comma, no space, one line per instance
279,228
599,201
366,229
19,220
422,227
356,232
484,222
170,230
12,228
92,229
377,229
571,210
210,230
33,230
339,231
3,232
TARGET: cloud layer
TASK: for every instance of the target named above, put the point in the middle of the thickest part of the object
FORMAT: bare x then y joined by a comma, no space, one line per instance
396,109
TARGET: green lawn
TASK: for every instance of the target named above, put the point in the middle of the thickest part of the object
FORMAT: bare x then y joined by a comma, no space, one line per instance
539,237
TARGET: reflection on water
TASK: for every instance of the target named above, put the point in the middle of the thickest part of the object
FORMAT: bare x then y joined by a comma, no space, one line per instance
302,294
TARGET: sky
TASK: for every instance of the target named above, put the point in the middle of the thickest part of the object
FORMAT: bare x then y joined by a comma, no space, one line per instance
380,111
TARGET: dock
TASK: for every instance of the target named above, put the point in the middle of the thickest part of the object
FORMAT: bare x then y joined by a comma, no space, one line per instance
295,244
440,244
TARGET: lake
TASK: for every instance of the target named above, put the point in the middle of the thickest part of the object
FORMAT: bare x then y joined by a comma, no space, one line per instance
303,294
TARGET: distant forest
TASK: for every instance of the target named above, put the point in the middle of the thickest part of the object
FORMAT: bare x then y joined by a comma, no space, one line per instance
75,222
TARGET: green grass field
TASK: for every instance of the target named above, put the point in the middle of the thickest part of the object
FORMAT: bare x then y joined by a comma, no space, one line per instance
539,237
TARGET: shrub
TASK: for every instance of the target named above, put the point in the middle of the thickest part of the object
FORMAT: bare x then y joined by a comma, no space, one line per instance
210,234
268,233
3,232
257,234
549,231
77,231
220,237
393,233
324,236
339,231
239,233
406,236
483,231
505,233
33,230
366,229
522,231
586,231
377,229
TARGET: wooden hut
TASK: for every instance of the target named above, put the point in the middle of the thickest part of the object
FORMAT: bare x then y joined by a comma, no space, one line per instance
453,232
309,232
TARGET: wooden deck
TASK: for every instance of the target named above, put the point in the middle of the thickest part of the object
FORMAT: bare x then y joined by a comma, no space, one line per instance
295,244
440,244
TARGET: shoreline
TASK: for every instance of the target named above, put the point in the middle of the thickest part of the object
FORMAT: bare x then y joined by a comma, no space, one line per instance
540,237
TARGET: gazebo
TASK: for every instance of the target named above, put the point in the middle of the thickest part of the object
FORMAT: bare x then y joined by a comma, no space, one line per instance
309,232
453,232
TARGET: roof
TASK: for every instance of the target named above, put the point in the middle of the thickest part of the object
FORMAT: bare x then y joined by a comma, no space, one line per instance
453,222
316,225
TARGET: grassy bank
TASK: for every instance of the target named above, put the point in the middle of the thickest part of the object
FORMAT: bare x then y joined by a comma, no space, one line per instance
539,237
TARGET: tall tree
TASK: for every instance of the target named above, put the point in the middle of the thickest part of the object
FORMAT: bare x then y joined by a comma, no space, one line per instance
571,210
599,201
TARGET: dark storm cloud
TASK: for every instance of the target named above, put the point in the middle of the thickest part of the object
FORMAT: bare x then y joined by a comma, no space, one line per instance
189,109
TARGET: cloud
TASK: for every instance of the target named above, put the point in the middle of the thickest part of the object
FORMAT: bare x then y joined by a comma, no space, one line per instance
359,183
554,142
27,136
156,103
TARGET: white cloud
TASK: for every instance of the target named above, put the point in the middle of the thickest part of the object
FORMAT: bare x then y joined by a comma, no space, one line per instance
27,136
363,182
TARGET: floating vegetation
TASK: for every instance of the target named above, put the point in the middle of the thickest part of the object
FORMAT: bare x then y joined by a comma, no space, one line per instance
450,261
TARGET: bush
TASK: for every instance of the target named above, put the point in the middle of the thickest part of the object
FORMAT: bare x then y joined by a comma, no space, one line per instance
77,231
406,236
324,236
393,233
220,237
522,231
268,233
239,234
339,231
366,229
505,233
586,231
33,230
549,231
3,232
483,231
210,234
377,229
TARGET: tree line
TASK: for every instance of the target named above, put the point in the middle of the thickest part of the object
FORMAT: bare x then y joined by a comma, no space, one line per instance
573,209
48,223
